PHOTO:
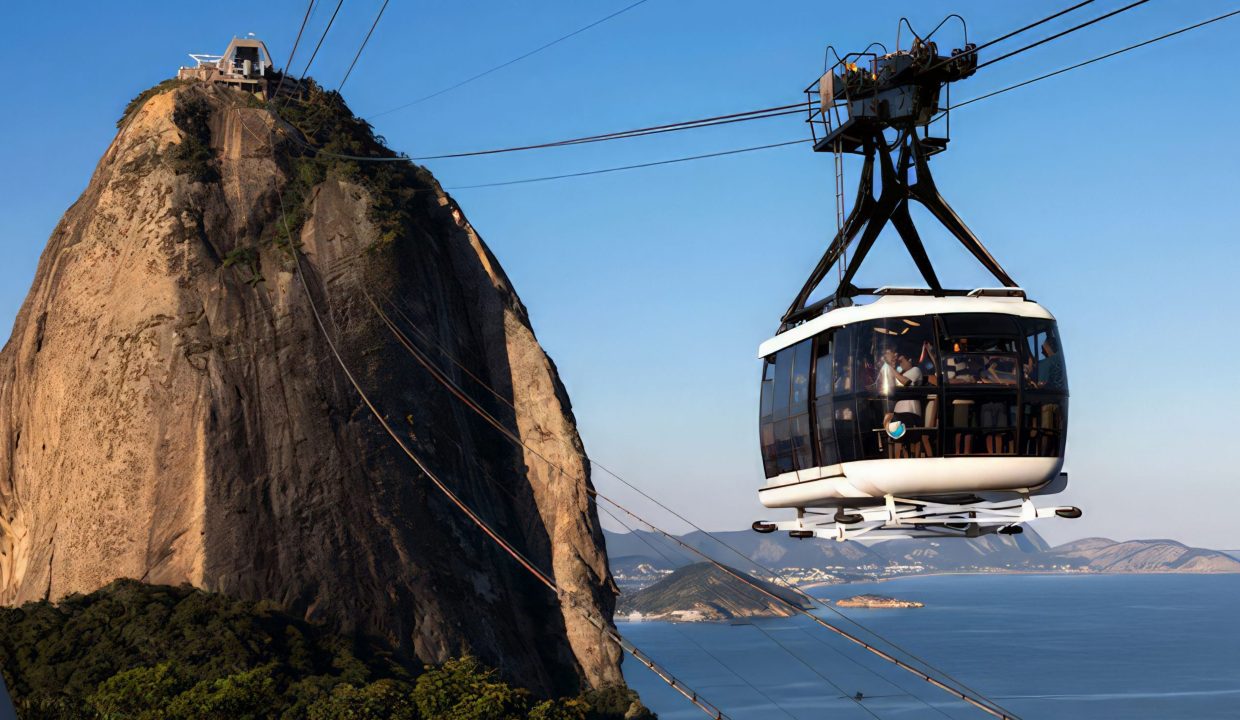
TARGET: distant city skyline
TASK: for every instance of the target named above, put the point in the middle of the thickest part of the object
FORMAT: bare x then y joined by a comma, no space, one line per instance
651,289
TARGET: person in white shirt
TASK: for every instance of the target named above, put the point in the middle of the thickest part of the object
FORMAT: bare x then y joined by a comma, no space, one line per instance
908,410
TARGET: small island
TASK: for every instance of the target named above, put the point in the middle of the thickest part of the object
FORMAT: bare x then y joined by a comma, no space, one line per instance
703,592
877,601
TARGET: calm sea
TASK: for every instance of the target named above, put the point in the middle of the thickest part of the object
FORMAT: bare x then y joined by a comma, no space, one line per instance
1064,647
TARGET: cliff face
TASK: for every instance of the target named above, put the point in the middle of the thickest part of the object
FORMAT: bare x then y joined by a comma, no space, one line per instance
169,411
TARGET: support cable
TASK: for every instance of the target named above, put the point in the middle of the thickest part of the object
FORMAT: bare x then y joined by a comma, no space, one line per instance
320,43
564,597
843,693
456,390
778,111
901,692
363,47
967,694
503,65
1015,32
1062,33
1091,61
747,116
293,52
620,168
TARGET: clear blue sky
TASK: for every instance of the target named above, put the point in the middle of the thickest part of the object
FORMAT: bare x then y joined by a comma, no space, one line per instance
1107,192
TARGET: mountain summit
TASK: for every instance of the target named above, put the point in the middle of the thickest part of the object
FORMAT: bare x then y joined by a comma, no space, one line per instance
170,412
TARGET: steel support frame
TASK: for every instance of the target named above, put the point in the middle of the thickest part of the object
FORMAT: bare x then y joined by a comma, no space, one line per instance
902,518
870,214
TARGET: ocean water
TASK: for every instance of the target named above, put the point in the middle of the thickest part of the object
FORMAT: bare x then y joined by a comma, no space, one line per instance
1064,647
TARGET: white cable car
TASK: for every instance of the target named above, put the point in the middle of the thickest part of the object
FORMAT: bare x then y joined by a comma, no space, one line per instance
927,412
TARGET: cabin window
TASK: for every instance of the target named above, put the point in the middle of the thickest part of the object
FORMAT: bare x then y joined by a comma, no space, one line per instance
1044,426
898,372
798,405
766,419
768,389
1044,364
824,410
787,445
981,424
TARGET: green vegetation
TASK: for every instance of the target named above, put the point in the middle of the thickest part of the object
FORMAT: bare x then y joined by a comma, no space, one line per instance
147,652
248,258
330,130
145,95
193,156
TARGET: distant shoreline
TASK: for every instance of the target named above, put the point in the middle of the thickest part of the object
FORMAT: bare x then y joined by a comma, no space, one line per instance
812,586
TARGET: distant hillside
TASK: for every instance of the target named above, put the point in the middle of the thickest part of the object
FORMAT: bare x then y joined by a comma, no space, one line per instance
1103,555
636,565
704,592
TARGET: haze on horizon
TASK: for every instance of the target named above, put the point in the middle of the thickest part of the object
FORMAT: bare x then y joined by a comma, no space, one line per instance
652,288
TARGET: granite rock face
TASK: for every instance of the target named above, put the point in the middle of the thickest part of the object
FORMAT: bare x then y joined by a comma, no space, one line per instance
170,412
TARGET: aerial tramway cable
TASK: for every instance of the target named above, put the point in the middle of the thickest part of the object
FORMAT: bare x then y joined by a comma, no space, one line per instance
854,697
473,405
363,46
972,697
319,45
517,59
564,597
1091,61
1062,33
464,397
292,53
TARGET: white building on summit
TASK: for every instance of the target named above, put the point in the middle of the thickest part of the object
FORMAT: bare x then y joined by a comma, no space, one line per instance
245,64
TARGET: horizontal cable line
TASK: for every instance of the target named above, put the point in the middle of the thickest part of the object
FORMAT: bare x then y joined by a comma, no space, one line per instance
778,111
1061,33
1091,61
628,167
503,65
1014,33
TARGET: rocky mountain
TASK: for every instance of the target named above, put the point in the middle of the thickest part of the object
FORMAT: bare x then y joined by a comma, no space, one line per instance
170,412
702,591
1103,555
635,563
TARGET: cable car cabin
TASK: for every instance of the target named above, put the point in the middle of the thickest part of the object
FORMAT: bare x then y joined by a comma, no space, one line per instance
913,397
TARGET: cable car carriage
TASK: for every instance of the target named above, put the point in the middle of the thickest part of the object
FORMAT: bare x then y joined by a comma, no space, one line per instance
928,411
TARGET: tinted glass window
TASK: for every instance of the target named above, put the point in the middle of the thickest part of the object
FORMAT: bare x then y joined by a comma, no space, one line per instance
822,366
1044,426
982,424
842,374
783,382
783,446
1044,362
978,332
846,429
896,352
768,450
980,349
801,360
768,388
